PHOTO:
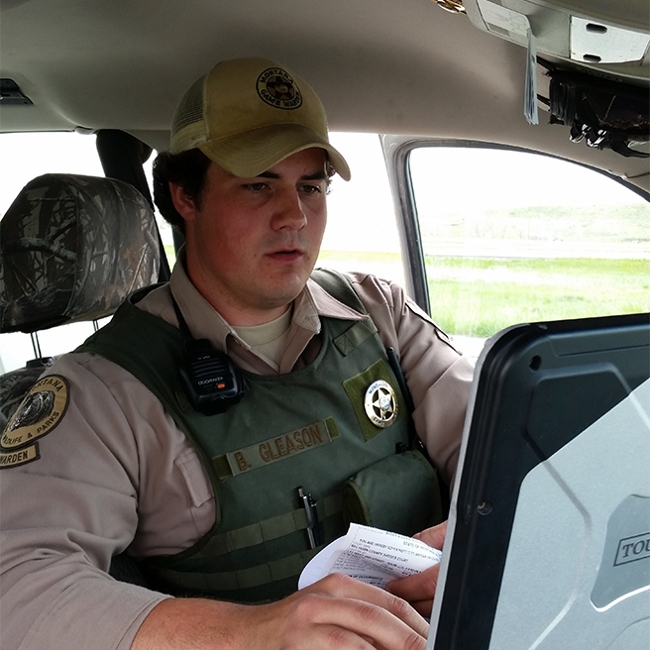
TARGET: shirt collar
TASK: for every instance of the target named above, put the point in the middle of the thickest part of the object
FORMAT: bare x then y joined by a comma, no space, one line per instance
324,304
205,322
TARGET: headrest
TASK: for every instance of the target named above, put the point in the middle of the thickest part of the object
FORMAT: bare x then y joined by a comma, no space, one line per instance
71,249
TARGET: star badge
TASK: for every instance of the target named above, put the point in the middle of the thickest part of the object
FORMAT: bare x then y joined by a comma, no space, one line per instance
380,403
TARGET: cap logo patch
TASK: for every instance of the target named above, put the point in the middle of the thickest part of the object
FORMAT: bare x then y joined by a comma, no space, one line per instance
276,87
39,413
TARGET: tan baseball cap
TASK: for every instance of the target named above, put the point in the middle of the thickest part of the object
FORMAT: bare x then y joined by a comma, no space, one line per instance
249,114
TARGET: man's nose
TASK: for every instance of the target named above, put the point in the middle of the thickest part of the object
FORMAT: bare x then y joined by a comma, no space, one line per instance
290,211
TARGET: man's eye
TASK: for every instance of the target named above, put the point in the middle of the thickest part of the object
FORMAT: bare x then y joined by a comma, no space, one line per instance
312,189
255,187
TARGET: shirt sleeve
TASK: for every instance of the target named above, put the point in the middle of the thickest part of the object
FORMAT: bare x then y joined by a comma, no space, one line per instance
439,378
62,518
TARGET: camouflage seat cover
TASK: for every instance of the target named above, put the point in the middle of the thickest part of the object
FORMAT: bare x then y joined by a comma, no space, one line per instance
71,249
14,385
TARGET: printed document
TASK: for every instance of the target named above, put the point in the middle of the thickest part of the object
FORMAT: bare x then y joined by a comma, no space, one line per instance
370,555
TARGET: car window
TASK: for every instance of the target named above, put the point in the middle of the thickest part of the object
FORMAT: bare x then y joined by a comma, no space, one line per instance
361,233
511,237
28,155
24,157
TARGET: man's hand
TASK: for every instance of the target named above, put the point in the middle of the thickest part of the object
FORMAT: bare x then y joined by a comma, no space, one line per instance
335,613
420,588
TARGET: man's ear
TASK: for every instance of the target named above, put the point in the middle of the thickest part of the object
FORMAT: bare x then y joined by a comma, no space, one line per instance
183,204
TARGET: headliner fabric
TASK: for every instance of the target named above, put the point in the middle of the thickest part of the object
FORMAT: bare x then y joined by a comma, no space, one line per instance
71,249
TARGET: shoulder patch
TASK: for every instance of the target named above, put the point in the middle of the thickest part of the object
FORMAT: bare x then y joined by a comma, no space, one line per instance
38,414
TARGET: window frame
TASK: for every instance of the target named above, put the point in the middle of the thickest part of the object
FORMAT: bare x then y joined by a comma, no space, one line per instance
397,151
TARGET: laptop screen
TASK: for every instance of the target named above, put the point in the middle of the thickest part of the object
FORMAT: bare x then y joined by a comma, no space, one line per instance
548,542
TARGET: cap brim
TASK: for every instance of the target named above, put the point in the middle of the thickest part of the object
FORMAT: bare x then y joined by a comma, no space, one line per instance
254,152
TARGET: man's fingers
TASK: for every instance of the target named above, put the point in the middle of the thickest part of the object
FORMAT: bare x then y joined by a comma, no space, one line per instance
372,615
341,586
423,607
334,636
377,623
418,587
434,536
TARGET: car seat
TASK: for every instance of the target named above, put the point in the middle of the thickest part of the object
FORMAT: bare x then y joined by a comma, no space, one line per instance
71,249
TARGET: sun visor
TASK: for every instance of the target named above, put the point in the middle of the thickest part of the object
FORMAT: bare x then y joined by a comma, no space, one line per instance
607,36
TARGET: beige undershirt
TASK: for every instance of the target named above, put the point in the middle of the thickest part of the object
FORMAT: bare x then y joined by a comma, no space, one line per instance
269,338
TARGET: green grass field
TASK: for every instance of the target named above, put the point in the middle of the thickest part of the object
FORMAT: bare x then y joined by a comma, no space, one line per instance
488,269
477,297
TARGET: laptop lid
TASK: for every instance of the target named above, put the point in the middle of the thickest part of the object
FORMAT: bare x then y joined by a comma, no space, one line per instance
548,541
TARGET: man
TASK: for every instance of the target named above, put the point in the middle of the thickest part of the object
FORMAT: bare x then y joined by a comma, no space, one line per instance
204,487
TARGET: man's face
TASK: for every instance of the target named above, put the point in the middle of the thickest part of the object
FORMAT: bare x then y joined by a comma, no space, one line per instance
253,242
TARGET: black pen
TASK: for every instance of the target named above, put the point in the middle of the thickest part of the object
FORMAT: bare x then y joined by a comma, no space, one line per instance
313,529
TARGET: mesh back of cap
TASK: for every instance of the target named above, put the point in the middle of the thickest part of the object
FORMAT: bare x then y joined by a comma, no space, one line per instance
188,113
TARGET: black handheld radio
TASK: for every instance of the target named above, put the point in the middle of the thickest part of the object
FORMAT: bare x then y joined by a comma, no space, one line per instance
213,383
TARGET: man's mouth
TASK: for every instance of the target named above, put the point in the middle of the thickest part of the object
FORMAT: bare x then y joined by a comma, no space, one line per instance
287,254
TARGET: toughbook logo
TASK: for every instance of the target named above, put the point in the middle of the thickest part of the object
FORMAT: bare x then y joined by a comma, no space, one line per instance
624,568
631,549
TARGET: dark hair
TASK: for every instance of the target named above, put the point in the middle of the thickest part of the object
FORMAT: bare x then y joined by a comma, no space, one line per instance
189,170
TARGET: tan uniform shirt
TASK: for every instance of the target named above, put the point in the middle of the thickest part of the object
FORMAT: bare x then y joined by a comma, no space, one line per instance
116,472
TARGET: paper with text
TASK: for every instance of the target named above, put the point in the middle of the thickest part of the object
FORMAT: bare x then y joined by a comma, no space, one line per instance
371,555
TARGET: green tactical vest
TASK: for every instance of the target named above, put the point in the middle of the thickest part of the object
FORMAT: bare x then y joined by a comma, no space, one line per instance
308,428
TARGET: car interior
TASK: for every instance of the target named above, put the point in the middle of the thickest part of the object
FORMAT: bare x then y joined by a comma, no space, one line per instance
567,79
561,81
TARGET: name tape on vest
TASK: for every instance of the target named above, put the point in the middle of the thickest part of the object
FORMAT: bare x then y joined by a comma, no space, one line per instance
279,448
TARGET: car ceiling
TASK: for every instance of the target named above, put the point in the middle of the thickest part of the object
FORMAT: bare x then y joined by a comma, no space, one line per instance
384,66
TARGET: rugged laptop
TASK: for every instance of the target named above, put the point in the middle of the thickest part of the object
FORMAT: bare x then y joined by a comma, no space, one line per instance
548,545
